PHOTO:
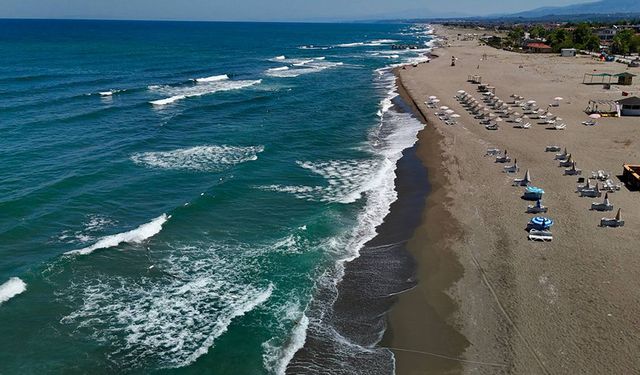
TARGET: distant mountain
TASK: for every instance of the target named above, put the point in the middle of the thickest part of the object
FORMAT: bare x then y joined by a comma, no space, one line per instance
599,7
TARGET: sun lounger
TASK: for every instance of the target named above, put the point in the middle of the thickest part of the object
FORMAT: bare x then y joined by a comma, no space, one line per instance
614,223
537,208
604,206
491,127
493,151
560,126
552,148
540,235
610,186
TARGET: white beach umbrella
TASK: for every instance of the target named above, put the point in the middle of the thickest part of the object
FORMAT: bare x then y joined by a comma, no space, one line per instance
558,98
461,92
455,115
435,100
498,119
444,107
433,97
531,102
449,111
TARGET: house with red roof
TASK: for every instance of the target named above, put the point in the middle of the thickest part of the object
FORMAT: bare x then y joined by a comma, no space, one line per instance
537,47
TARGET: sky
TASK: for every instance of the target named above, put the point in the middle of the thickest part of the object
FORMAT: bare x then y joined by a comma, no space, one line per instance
262,10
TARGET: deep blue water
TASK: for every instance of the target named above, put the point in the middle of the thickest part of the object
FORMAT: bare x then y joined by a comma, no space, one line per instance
174,195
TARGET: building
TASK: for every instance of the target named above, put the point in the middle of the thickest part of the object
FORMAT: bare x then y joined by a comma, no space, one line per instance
629,106
568,52
625,79
537,47
606,34
631,176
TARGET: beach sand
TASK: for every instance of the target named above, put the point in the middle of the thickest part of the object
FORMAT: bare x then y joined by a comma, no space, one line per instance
489,301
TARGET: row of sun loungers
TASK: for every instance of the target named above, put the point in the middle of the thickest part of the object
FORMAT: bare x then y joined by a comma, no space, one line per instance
565,159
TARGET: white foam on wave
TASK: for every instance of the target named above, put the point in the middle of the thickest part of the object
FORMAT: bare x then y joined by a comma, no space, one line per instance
302,66
199,158
92,225
346,181
211,86
171,317
217,78
138,235
277,357
11,288
373,43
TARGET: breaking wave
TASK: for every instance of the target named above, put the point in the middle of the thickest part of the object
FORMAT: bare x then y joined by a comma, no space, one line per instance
11,288
199,158
203,86
137,235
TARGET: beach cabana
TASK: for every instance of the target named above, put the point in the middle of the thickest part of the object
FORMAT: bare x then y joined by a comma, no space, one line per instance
625,79
629,106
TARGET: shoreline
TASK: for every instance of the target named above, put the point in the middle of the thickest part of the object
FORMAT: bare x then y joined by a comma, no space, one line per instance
419,332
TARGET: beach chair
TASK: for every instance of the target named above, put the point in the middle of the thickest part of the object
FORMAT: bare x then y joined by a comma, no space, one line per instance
590,122
563,155
573,171
562,126
537,208
503,158
525,181
552,148
566,163
610,186
512,168
604,206
600,175
493,126
593,192
493,151
540,235
613,223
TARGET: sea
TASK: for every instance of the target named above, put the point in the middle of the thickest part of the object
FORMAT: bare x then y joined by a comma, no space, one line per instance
184,197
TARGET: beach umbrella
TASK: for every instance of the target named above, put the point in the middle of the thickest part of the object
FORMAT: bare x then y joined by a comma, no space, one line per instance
542,222
606,200
557,98
433,97
531,102
435,101
449,111
498,119
455,115
444,107
595,115
527,177
619,215
461,92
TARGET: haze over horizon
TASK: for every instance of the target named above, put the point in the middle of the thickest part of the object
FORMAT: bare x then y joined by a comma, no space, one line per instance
256,10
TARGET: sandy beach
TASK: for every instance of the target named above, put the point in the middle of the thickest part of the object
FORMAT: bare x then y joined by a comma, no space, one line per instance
488,300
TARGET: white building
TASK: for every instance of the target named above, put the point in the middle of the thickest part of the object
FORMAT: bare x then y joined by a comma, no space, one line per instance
568,52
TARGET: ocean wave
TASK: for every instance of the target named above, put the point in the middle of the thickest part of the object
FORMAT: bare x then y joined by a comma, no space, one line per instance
205,86
302,66
11,288
346,180
138,235
277,357
109,93
170,317
217,78
199,158
373,43
93,225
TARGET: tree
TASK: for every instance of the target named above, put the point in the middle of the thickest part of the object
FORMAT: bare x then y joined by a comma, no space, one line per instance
622,42
581,35
538,31
516,35
593,43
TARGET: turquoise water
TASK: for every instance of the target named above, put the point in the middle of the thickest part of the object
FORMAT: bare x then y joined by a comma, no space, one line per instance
174,196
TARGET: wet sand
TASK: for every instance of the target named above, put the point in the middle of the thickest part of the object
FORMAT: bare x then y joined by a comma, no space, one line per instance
488,300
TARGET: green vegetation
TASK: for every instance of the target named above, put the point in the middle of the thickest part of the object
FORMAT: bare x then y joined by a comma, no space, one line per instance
581,36
625,42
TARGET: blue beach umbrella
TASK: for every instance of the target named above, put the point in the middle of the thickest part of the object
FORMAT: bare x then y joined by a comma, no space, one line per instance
541,222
